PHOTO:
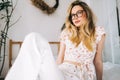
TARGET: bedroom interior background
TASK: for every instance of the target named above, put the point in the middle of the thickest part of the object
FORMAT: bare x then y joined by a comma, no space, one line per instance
34,20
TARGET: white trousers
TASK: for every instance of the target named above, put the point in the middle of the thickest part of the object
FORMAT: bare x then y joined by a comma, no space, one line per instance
34,59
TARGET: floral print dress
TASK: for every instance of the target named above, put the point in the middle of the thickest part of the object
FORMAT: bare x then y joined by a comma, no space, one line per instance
80,55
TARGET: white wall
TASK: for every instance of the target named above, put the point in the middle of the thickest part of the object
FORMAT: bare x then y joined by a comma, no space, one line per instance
33,19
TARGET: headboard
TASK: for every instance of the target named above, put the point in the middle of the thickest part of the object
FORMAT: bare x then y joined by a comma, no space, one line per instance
19,43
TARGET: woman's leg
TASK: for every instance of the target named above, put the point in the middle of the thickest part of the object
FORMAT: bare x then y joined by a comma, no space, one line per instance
35,58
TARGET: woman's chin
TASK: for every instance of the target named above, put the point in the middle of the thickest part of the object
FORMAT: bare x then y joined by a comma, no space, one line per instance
77,25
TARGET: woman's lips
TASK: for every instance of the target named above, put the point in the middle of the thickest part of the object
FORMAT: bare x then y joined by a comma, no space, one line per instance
77,21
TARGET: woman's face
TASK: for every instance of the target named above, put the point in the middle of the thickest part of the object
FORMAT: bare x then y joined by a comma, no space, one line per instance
78,15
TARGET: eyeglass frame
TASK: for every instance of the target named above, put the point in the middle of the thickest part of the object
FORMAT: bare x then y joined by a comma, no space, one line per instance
77,14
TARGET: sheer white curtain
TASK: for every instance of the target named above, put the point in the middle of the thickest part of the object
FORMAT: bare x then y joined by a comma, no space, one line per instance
105,10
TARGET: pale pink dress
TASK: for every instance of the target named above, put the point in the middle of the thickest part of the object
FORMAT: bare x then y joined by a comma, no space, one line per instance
80,55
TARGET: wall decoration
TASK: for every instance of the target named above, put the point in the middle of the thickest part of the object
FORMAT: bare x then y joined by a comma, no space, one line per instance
44,6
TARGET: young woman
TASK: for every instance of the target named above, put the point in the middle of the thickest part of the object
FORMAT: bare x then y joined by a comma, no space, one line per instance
81,45
80,56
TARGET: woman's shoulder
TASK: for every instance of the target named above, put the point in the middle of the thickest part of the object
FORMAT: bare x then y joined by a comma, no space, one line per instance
65,32
99,32
100,29
64,36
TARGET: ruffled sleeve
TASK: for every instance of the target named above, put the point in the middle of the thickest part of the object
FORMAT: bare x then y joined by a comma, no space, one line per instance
99,32
63,37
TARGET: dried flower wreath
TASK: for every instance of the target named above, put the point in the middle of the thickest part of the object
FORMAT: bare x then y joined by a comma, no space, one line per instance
45,7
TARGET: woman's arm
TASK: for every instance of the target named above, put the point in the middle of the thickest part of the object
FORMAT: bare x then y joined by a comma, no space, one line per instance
61,53
98,59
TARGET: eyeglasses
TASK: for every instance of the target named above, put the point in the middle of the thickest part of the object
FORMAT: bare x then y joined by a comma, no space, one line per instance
78,14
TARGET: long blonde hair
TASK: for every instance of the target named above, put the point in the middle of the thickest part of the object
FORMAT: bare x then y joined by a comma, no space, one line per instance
86,33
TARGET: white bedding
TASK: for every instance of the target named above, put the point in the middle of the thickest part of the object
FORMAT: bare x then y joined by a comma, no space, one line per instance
111,71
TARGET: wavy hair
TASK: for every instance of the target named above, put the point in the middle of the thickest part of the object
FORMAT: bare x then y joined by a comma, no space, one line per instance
86,33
